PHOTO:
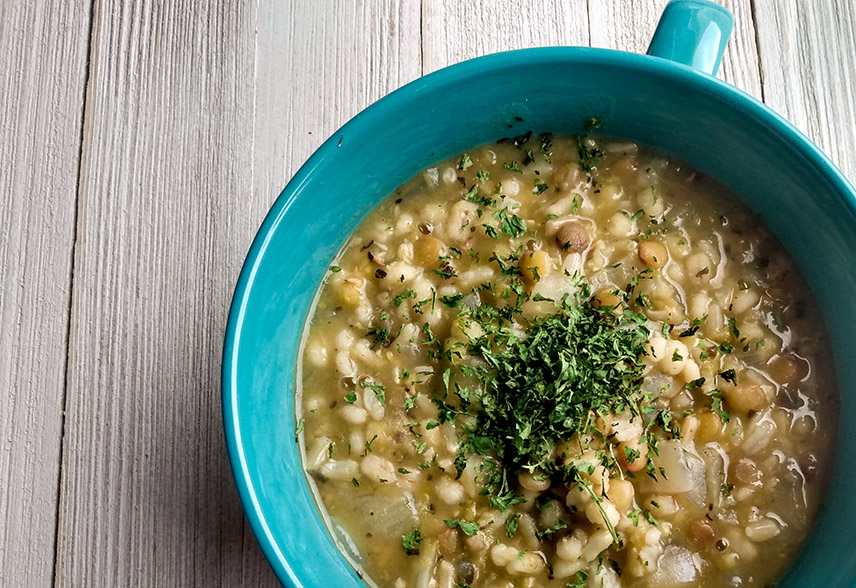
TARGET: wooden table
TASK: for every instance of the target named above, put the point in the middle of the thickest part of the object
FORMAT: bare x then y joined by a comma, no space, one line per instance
142,142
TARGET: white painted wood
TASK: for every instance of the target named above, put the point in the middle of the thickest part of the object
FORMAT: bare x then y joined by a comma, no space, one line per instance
629,25
454,31
808,59
184,101
42,77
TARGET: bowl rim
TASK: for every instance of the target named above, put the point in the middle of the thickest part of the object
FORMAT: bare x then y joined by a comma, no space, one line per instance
286,571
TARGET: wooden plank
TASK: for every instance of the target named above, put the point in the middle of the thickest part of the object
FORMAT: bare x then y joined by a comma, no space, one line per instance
808,59
182,157
453,31
43,48
166,174
630,24
329,61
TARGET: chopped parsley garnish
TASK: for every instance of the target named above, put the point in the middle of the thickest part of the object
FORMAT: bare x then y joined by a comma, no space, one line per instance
589,156
580,580
452,301
539,391
732,328
511,524
512,167
472,195
511,224
378,389
465,162
335,269
467,527
546,148
403,296
410,541
694,327
729,376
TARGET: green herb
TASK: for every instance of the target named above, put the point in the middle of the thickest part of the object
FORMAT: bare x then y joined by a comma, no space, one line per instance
403,296
446,271
467,527
491,231
694,326
299,428
547,533
732,328
511,224
482,175
369,446
580,580
403,471
651,518
335,269
378,389
716,406
511,524
465,162
634,516
727,489
380,335
351,398
512,167
472,195
637,215
530,157
552,216
546,147
452,301
410,541
540,186
695,384
729,376
355,482
589,156
541,390
725,348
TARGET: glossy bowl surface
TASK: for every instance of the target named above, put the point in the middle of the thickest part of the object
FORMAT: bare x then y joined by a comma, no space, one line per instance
718,129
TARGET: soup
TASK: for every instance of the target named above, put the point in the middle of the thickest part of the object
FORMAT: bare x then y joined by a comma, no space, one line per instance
566,361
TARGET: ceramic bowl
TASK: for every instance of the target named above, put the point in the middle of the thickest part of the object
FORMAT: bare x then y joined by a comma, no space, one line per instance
666,100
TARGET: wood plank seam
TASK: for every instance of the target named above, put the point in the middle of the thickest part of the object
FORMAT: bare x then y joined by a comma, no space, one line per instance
84,127
761,73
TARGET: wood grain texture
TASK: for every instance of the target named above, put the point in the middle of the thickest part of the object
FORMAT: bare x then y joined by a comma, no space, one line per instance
147,498
318,65
808,59
453,31
169,205
630,24
42,77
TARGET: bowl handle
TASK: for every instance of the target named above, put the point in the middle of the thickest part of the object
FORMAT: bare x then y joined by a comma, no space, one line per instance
694,33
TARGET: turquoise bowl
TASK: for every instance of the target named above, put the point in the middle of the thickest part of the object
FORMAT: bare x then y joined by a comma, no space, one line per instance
664,100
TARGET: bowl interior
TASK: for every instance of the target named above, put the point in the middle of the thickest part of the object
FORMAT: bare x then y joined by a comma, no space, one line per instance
721,131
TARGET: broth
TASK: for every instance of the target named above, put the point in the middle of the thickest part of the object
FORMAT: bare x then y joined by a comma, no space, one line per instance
567,361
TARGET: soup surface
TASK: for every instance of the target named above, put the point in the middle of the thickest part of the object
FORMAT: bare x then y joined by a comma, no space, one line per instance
566,361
